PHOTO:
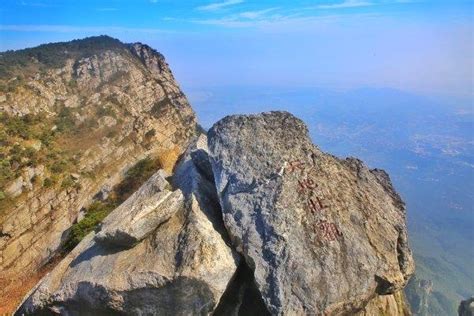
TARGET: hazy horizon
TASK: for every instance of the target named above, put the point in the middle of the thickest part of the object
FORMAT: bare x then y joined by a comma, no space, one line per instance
424,47
390,82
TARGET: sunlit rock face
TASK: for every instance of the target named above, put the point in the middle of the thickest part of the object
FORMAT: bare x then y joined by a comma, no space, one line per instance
323,235
254,219
104,106
164,251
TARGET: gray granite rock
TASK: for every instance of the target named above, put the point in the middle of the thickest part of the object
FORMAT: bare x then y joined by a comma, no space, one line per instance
150,116
147,208
182,266
322,235
466,307
259,222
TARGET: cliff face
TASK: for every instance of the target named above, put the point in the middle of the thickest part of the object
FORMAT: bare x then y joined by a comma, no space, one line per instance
322,235
254,220
74,118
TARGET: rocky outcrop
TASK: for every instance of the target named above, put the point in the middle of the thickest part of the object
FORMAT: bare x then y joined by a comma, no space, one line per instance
322,235
261,222
181,266
466,308
419,292
387,305
139,216
124,105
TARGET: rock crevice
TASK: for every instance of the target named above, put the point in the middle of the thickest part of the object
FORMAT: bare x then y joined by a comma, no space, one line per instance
105,105
262,222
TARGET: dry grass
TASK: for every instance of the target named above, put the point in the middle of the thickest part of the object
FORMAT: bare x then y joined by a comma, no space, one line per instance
168,158
12,291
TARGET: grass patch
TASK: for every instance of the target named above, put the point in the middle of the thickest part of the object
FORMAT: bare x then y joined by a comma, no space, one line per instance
167,158
55,55
135,177
159,107
97,211
105,111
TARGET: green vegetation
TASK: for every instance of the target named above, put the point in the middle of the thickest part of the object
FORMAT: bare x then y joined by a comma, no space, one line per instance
31,140
135,177
54,55
65,120
48,182
55,142
158,107
105,111
16,133
150,134
98,210
68,182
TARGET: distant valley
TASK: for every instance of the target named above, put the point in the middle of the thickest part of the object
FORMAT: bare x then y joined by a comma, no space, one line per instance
110,182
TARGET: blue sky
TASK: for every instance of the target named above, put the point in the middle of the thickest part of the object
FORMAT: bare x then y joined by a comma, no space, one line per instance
418,46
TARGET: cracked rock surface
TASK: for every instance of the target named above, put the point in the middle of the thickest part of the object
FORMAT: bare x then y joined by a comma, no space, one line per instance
147,115
323,235
159,253
255,220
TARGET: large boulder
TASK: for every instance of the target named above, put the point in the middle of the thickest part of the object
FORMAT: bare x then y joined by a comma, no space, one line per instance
141,214
466,307
162,252
322,235
255,220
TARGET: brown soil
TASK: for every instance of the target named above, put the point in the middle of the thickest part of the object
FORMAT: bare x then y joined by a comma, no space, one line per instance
12,291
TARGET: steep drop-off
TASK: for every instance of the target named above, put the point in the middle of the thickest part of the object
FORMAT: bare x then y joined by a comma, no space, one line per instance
74,117
113,200
254,220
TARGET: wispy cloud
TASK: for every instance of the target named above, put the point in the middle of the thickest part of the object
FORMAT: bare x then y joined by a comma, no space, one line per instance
78,29
106,9
256,14
35,4
271,21
276,16
281,21
219,5
247,18
345,4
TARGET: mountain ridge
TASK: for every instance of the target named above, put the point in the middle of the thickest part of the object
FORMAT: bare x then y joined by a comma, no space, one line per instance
69,134
103,161
231,232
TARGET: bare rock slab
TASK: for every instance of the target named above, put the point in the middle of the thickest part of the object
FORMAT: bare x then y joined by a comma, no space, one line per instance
322,235
147,208
153,256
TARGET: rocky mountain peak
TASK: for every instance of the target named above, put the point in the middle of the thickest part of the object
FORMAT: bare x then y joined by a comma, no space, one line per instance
153,60
254,220
81,124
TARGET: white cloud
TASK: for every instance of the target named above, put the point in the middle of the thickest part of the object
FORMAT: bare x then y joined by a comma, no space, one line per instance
35,4
219,5
78,29
269,21
345,4
256,14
